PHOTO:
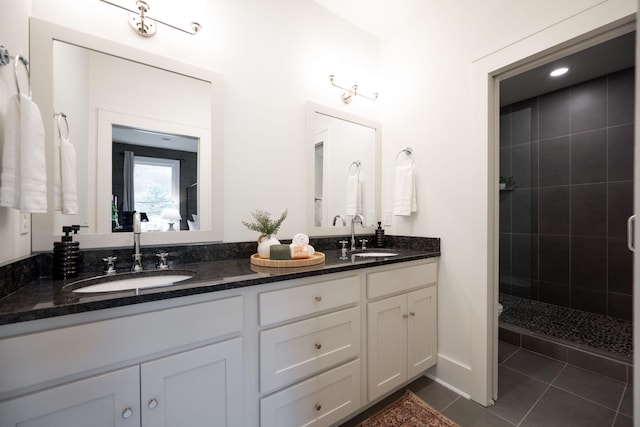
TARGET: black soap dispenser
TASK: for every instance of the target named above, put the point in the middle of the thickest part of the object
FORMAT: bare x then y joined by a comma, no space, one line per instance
380,235
65,254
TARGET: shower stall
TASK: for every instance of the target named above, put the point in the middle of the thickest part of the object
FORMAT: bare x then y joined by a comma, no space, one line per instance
567,159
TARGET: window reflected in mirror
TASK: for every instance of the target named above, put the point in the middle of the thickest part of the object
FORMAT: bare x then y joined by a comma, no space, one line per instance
156,174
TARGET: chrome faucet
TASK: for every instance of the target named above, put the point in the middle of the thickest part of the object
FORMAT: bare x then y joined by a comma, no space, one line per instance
356,218
137,254
339,217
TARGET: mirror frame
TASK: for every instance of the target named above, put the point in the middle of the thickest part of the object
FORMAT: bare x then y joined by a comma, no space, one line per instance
210,192
311,109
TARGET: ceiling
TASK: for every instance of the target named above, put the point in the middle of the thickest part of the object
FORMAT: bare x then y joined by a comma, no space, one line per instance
608,57
133,136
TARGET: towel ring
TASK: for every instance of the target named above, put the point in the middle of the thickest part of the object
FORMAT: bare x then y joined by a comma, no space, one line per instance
408,151
21,59
356,164
64,117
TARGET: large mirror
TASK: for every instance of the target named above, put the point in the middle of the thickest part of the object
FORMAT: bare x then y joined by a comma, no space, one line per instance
118,99
343,171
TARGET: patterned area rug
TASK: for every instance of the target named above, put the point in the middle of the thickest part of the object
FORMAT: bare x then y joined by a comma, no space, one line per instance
408,411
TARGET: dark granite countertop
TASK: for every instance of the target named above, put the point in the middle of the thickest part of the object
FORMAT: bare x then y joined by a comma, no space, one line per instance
45,298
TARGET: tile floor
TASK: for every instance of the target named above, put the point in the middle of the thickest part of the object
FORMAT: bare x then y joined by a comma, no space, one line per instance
534,390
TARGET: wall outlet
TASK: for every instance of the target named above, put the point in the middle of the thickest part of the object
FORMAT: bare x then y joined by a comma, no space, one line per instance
25,223
386,218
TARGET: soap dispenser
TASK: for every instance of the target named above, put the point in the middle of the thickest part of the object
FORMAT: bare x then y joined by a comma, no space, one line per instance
66,253
380,235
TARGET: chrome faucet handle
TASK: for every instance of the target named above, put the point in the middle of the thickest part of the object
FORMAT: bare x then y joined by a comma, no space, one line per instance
162,260
110,268
364,243
137,262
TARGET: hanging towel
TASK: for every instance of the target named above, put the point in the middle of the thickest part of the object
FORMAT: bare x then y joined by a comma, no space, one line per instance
354,195
24,174
65,185
404,195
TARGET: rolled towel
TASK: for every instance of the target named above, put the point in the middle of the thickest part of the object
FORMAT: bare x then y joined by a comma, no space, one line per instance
300,239
301,251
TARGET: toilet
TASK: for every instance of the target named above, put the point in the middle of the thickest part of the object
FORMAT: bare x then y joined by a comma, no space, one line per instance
500,308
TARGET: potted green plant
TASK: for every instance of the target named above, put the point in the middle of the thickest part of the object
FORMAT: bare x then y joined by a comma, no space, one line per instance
507,183
267,227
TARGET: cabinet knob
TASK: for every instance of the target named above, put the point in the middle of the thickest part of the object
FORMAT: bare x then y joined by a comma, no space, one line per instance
153,403
127,413
318,298
405,316
318,346
412,313
318,407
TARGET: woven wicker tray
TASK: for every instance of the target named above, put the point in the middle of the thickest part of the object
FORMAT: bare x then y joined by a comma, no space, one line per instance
317,258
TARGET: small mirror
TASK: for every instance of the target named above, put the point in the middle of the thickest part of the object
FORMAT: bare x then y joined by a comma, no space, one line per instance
343,164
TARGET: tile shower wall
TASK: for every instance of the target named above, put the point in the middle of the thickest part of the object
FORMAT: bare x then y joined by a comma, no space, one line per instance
563,229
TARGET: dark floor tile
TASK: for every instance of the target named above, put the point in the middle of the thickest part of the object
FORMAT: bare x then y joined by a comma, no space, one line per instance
545,347
436,395
539,367
517,393
469,414
623,421
626,406
597,388
560,408
505,350
509,336
603,366
385,402
352,422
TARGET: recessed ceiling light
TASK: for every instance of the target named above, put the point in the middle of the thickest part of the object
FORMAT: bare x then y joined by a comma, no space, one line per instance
559,71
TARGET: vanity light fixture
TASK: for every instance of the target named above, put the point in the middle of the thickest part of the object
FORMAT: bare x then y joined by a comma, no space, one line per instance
348,94
559,71
145,25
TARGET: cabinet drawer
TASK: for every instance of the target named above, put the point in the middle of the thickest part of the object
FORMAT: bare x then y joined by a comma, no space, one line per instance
318,401
289,353
286,304
76,349
401,279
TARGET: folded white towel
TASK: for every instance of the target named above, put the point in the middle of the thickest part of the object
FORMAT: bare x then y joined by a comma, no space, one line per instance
404,196
24,182
300,239
354,195
10,178
65,185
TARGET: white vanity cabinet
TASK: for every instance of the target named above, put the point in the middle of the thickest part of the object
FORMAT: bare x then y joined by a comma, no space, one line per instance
315,358
161,386
401,329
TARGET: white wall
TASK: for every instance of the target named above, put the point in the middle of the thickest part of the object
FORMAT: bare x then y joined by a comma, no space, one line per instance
14,35
436,84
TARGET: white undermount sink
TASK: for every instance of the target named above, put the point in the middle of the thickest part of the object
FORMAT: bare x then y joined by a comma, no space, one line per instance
130,281
375,254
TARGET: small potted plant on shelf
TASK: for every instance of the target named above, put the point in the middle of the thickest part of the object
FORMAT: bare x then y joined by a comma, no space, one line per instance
507,183
267,228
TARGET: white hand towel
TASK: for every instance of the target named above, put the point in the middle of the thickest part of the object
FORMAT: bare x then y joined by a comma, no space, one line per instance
354,195
10,178
404,200
33,181
24,172
66,194
300,239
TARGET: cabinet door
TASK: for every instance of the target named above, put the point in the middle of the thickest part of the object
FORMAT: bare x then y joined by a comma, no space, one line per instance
201,387
387,344
108,400
422,330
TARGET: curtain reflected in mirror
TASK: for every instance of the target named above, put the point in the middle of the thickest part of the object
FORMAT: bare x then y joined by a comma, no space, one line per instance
153,173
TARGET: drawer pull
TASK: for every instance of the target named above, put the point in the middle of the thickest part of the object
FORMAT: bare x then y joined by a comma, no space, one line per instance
318,346
405,316
127,413
412,314
153,403
318,407
318,298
